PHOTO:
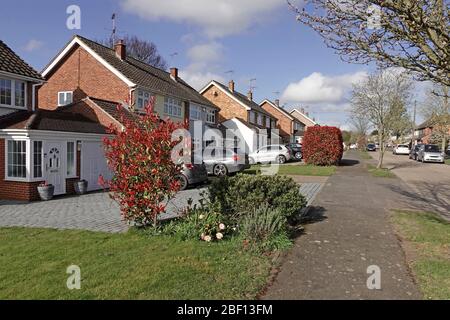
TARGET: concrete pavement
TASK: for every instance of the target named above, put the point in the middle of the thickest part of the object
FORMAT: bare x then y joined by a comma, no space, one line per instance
349,232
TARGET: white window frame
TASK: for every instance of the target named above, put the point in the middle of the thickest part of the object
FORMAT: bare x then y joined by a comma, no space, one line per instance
140,94
13,94
210,116
65,98
173,107
32,160
198,110
74,173
27,161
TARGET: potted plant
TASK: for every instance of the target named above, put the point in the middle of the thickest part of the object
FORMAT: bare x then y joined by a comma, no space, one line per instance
80,186
46,190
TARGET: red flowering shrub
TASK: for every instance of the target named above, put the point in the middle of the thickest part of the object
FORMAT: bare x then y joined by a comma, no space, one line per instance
322,146
140,158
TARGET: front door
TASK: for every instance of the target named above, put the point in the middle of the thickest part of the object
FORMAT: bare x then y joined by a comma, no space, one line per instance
54,168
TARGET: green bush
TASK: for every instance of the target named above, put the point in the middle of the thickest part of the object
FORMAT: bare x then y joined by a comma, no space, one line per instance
265,228
239,195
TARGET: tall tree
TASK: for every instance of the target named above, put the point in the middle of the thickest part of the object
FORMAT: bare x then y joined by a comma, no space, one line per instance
436,109
412,34
142,50
382,98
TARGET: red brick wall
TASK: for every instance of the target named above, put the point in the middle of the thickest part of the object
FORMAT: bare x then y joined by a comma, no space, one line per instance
12,190
91,111
83,74
229,108
284,124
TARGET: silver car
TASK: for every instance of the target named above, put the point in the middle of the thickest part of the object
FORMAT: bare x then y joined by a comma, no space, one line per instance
270,154
430,153
192,174
223,162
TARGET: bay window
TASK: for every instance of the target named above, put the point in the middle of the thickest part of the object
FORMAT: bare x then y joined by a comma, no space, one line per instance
267,122
259,119
13,93
195,112
17,156
172,107
252,117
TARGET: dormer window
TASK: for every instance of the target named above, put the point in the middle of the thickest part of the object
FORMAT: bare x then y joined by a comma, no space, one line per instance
12,93
65,98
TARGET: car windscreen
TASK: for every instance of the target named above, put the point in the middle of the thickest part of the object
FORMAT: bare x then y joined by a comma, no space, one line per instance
403,146
431,148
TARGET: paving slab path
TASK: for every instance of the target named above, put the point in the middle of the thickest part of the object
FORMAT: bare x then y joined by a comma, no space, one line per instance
350,231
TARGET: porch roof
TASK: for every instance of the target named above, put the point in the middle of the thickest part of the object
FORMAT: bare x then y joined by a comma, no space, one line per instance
51,121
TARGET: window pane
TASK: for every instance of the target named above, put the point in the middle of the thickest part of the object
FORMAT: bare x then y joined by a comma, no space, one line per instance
37,159
70,158
20,93
5,92
17,159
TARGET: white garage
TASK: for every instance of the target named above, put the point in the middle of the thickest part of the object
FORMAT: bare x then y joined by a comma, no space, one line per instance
93,164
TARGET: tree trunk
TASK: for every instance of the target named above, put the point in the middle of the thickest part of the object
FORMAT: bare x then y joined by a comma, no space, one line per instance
381,155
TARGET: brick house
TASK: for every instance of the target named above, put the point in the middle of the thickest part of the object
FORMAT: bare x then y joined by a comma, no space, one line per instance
290,128
37,145
251,123
304,119
423,133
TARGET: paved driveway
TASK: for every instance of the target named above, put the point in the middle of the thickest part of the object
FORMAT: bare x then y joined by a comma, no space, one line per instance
429,181
94,212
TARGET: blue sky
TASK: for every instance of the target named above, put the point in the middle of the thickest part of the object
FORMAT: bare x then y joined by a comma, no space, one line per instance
256,39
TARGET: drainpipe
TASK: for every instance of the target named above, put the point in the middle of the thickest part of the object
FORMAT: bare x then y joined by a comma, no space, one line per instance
33,92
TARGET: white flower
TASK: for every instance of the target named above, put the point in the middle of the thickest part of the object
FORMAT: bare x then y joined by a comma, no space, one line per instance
207,238
201,217
221,226
219,235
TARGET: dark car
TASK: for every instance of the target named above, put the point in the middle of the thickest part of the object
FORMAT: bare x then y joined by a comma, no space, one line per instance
296,150
371,147
414,151
192,173
223,162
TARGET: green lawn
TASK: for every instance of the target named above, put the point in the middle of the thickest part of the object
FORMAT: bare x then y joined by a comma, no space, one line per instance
125,266
447,161
427,239
298,169
380,173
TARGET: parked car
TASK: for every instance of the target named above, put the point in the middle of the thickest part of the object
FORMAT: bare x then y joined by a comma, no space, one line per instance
414,151
270,154
371,147
353,146
401,149
296,150
193,173
430,153
223,162
377,146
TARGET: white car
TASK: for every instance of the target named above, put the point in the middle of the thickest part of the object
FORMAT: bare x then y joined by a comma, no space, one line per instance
270,154
401,149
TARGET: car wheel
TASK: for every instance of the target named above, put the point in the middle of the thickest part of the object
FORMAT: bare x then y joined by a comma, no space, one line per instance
184,183
298,156
281,159
220,170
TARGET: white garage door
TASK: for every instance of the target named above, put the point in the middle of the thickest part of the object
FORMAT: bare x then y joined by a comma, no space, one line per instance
93,164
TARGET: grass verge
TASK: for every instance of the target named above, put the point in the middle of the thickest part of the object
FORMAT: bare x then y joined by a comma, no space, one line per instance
365,155
447,161
125,266
380,173
301,170
426,240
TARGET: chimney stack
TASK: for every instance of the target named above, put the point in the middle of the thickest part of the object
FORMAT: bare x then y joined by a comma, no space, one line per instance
250,95
174,73
121,50
231,85
277,102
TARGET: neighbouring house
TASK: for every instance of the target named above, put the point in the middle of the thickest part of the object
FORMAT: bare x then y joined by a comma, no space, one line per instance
86,69
305,121
290,128
424,133
38,145
252,124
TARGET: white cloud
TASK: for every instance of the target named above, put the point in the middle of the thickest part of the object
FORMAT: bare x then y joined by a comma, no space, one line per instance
206,52
198,79
216,18
319,88
33,45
